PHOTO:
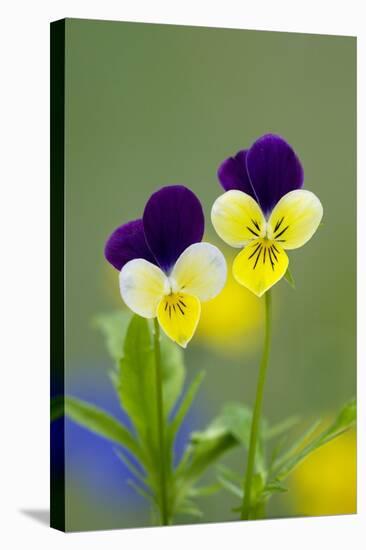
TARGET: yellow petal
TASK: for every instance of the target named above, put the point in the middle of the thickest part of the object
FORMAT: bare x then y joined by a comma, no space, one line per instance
260,265
178,316
200,271
237,218
295,219
142,285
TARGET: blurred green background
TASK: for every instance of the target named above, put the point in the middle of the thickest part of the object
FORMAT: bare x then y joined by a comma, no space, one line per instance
152,105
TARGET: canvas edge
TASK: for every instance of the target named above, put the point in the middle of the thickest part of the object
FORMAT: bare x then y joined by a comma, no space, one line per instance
57,174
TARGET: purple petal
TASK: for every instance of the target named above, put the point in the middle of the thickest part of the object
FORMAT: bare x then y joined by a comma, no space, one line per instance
233,174
126,243
173,220
273,169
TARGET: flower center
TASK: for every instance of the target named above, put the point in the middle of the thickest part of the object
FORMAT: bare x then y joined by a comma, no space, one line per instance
174,303
269,232
264,251
172,286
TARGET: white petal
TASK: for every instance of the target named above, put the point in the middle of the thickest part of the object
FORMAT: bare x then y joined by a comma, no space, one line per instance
142,285
200,271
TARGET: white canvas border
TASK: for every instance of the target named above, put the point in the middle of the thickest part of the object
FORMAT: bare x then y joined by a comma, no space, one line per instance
25,268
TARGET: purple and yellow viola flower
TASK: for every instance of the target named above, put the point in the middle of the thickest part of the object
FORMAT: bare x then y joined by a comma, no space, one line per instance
264,211
165,269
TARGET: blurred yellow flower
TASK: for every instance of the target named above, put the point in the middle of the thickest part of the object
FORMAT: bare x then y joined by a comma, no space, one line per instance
325,483
231,321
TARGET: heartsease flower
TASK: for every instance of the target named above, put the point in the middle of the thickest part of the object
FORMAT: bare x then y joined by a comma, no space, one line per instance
165,269
264,211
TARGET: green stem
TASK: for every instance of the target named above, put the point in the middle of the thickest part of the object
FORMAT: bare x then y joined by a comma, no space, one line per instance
245,511
160,418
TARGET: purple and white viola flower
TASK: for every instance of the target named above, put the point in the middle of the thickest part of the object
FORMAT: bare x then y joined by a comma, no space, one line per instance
165,269
264,211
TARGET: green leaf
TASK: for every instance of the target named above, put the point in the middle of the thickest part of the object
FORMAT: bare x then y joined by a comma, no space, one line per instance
228,473
234,419
289,278
230,480
188,508
130,465
204,449
204,453
131,345
230,428
277,449
137,378
345,419
137,385
237,419
114,327
260,491
204,490
185,404
173,372
273,487
298,443
101,423
223,433
232,487
280,428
